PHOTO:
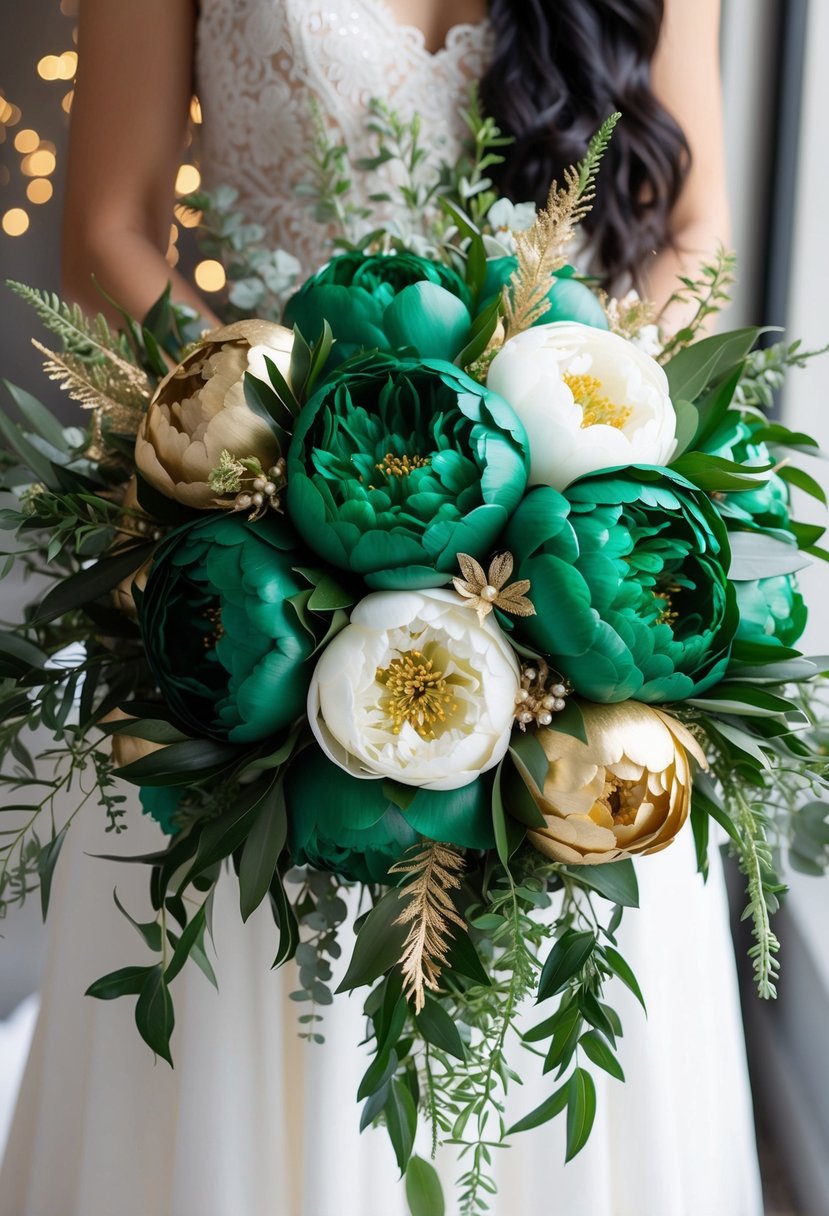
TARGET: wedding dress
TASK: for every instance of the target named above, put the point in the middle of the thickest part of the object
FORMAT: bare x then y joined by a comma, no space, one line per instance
252,1121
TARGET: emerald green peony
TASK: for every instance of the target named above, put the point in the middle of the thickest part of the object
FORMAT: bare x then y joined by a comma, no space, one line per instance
396,466
568,299
386,302
341,823
224,642
765,507
628,579
771,611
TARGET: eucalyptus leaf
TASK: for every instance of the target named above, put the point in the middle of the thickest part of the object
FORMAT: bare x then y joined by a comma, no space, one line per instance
154,1013
543,1113
566,959
581,1111
401,1122
424,1194
379,943
616,881
439,1029
599,1053
46,862
262,849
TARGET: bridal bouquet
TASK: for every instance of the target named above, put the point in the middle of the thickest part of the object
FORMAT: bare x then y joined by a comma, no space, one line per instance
459,588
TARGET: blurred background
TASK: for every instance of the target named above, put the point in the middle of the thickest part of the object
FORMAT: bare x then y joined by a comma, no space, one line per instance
776,99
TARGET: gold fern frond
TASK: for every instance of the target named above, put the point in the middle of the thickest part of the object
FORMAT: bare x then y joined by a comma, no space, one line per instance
431,876
99,387
539,250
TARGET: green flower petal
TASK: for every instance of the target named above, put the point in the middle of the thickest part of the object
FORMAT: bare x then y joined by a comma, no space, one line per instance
629,585
397,465
229,653
462,817
428,318
341,823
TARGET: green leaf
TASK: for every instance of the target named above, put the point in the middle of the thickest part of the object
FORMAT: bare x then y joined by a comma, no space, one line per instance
47,859
801,479
570,721
40,419
439,1029
190,937
581,1111
692,370
508,832
285,918
34,460
180,763
717,475
401,1122
127,981
566,959
547,1110
597,1050
622,969
379,943
149,931
756,555
262,849
22,654
532,758
700,825
424,1194
463,958
616,881
154,1013
687,425
90,584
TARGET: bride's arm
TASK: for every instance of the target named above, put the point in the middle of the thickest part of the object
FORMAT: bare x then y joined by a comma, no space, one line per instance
686,78
129,119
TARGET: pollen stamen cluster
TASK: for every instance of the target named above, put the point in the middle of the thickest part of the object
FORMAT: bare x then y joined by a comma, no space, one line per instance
620,799
597,409
401,466
416,693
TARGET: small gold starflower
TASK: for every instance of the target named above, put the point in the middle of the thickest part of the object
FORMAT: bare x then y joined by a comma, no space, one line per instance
487,591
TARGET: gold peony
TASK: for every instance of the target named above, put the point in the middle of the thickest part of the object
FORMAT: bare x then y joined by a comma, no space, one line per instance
627,791
199,411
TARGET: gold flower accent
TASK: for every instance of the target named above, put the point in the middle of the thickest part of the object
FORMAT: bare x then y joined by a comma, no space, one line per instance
487,591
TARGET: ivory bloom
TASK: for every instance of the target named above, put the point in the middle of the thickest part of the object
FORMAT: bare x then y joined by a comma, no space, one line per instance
417,689
199,410
589,400
627,791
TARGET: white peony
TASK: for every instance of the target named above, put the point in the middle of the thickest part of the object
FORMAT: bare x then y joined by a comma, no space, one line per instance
417,689
589,400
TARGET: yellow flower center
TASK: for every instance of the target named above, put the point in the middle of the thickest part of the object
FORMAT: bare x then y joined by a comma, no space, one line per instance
621,798
667,614
401,466
416,692
597,409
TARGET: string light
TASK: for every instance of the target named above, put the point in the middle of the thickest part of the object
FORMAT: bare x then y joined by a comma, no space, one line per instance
66,103
195,111
15,222
210,275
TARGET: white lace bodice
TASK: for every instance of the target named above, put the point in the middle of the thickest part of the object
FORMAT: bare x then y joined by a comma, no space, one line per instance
260,65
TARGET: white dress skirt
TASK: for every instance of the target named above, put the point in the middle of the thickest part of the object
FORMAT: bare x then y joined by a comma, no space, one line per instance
252,1121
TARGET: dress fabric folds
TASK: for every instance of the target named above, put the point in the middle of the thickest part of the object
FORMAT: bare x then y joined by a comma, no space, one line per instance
253,1121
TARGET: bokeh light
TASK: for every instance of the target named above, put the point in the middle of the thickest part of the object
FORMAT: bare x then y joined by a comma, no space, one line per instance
15,221
195,111
39,191
186,217
26,140
39,164
66,103
210,275
188,179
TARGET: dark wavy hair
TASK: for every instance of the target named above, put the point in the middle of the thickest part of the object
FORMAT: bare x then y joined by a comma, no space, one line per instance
559,68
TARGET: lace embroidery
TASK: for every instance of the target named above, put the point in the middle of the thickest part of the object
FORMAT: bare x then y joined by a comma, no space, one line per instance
259,63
